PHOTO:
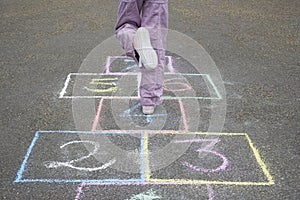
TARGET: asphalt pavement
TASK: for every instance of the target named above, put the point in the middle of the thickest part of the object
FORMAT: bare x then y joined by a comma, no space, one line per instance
71,122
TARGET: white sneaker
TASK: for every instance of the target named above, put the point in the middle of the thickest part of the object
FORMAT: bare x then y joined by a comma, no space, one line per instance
142,45
148,110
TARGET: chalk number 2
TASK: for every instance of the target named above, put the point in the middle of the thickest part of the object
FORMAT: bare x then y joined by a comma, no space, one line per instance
71,163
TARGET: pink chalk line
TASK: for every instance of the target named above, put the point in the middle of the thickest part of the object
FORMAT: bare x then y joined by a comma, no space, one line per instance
185,123
107,65
97,118
211,194
79,191
170,64
171,81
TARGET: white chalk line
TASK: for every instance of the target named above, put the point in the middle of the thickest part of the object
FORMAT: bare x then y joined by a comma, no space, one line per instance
66,84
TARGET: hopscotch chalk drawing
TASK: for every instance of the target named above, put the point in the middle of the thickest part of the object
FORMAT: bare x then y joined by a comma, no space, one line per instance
106,86
257,175
209,159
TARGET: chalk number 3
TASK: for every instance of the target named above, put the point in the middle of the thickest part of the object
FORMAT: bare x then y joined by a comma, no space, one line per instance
206,149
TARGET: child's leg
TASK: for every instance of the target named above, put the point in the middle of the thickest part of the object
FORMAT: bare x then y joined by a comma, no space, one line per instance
155,19
128,21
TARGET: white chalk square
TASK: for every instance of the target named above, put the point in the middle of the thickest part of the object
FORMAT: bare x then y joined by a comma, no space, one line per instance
124,85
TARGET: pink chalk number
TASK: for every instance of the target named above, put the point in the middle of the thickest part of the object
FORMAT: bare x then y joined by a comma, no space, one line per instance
176,82
206,149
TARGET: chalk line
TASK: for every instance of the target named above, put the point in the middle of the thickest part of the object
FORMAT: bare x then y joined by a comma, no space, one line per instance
211,194
142,157
260,161
63,91
107,65
79,191
185,123
78,180
143,130
173,182
146,157
191,181
104,74
104,132
137,97
126,73
21,170
170,64
97,117
214,86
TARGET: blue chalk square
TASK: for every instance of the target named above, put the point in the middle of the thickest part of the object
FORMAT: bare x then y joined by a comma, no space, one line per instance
79,156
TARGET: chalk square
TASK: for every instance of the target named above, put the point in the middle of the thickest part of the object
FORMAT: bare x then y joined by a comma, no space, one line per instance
82,156
190,86
126,115
141,190
98,85
125,85
124,64
222,158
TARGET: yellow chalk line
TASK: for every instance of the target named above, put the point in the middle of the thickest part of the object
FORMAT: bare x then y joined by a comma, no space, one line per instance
111,89
186,181
260,161
146,157
103,83
99,80
202,133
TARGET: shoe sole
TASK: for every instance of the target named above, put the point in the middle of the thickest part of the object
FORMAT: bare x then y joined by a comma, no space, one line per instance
148,111
142,45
